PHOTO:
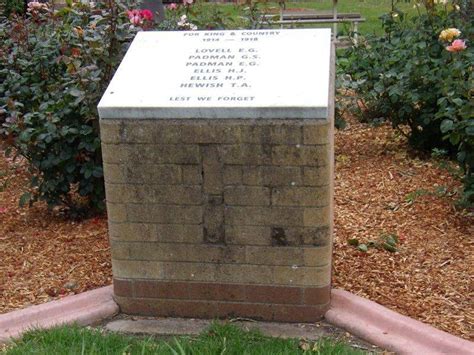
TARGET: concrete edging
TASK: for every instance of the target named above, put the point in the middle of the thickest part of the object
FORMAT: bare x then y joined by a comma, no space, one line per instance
390,330
366,319
85,308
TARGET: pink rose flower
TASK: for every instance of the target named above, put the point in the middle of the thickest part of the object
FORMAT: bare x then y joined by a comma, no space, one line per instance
172,6
146,14
138,17
132,13
136,20
35,6
134,17
458,45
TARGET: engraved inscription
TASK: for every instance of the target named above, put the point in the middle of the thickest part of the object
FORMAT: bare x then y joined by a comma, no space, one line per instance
226,66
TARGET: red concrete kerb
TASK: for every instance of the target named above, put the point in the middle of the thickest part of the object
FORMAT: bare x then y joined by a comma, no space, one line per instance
361,317
390,330
85,308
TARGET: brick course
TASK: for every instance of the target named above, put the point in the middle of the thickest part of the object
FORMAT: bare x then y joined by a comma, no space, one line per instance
220,218
211,300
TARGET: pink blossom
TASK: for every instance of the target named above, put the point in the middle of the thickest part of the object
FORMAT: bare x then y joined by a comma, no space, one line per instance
458,45
136,20
35,6
3,210
134,17
188,2
132,13
172,6
138,17
146,14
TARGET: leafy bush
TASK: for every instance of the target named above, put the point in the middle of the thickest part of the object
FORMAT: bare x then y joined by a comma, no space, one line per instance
54,67
184,17
14,7
421,77
192,15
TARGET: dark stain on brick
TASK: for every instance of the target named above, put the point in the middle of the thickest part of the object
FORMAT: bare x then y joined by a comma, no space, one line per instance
279,236
214,237
122,131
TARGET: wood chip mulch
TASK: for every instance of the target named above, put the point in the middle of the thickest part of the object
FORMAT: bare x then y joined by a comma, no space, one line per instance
43,256
381,188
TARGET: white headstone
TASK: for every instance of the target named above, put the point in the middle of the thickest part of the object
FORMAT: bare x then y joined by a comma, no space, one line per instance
222,74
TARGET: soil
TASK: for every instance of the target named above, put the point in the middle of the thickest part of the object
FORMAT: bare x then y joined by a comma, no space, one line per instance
381,188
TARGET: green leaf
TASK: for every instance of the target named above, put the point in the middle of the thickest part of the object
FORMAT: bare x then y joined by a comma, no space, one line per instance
353,241
363,248
87,173
70,168
76,92
25,199
454,138
446,125
379,87
389,247
25,135
391,240
371,244
458,101
97,172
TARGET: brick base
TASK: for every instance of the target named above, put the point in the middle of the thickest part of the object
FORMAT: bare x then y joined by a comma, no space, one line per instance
220,218
210,300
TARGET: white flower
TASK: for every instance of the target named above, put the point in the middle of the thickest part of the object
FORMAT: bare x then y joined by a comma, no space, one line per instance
34,6
183,21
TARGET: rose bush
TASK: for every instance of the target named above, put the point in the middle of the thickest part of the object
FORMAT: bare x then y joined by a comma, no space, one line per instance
54,67
193,15
13,7
419,75
190,15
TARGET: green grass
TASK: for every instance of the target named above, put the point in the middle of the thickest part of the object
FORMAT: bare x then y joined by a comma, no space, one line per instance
371,10
218,339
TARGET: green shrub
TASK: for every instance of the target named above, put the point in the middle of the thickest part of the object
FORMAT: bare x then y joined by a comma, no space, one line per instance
54,67
410,77
205,16
182,17
14,7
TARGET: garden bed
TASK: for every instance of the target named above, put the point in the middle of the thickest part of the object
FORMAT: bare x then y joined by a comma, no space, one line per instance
380,189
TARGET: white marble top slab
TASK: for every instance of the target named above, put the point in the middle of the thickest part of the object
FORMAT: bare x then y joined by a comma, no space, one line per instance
222,74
